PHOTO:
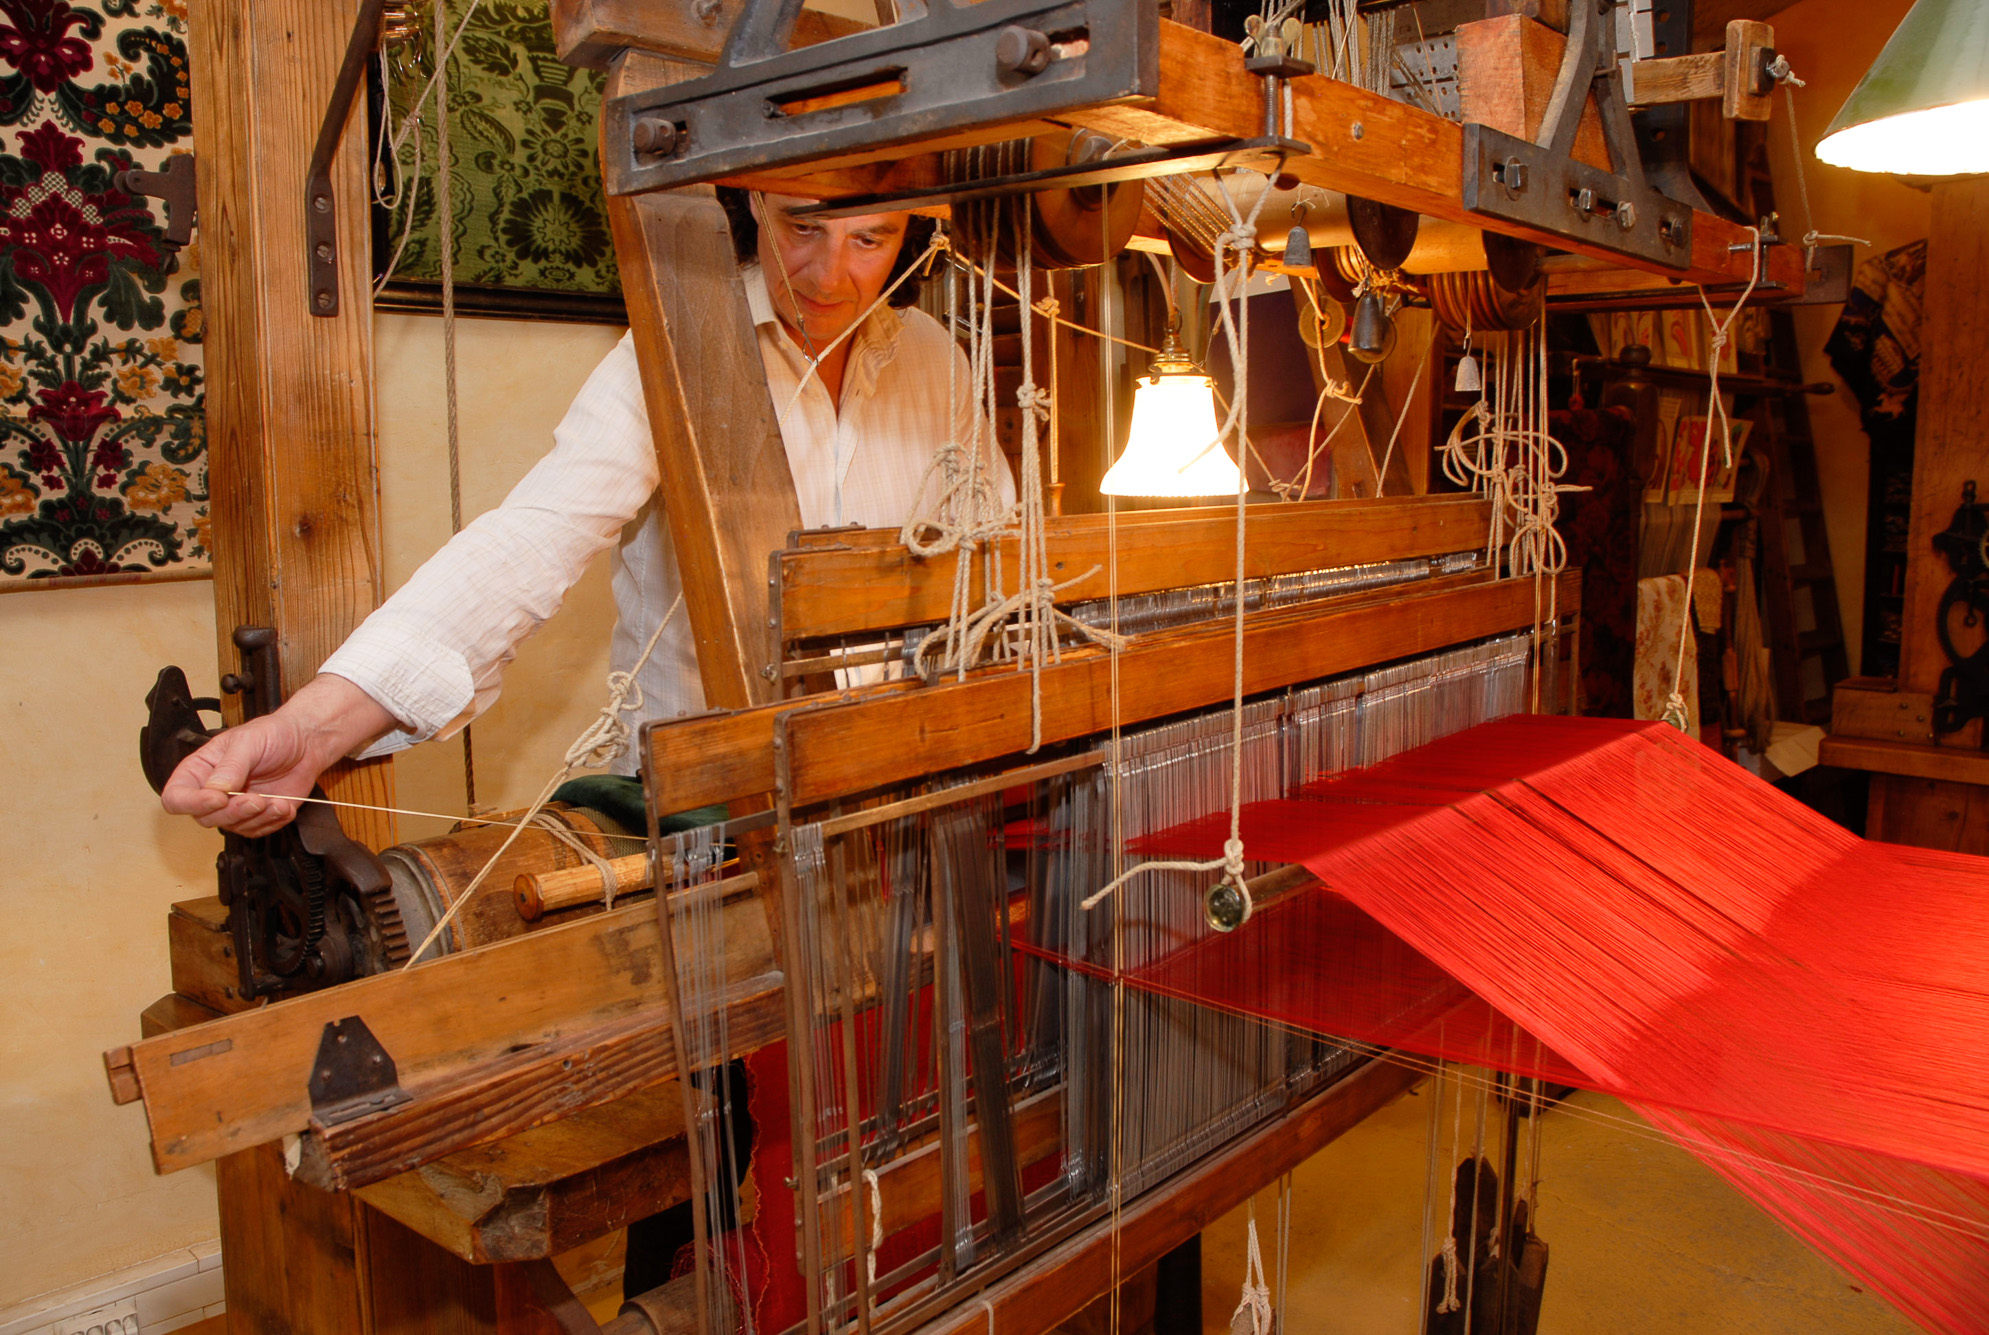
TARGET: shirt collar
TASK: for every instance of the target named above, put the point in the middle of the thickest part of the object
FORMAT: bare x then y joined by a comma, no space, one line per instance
880,330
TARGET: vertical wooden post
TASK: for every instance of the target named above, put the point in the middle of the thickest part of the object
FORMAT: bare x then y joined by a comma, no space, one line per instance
296,527
289,401
1949,448
1948,451
726,486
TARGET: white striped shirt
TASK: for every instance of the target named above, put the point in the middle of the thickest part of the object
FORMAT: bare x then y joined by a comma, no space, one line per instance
434,654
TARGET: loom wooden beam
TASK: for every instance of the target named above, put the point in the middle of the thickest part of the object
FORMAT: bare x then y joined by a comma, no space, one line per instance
290,438
845,588
550,1189
726,485
720,757
1048,1291
1363,144
488,1043
849,749
1368,145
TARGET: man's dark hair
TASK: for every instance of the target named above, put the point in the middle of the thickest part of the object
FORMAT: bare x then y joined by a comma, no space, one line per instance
738,205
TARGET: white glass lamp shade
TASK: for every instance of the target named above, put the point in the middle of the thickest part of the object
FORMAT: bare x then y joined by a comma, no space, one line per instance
1172,450
1923,107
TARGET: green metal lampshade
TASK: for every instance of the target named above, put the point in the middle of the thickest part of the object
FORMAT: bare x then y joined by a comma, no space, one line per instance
1923,107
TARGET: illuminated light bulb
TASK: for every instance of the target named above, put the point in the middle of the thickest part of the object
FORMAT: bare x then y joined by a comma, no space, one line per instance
1922,109
1173,448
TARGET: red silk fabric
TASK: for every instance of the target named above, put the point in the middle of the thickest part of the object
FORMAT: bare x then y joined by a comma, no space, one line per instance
1615,906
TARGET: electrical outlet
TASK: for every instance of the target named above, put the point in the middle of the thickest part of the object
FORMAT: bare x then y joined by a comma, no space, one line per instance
118,1318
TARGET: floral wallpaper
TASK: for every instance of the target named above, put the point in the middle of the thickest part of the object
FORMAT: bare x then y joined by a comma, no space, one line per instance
102,443
529,210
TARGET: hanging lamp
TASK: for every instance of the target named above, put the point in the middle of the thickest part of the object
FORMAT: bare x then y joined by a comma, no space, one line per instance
1922,109
1173,448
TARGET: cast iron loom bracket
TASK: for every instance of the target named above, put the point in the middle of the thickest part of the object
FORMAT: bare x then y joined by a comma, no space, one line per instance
1542,185
949,67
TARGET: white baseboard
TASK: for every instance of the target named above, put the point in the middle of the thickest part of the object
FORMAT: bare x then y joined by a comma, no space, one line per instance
171,1291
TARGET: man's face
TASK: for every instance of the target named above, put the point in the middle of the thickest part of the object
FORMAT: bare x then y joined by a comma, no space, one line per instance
836,267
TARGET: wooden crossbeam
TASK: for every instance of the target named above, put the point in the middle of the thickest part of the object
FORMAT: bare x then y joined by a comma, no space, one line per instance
1363,144
1368,145
1039,1297
844,749
487,1043
852,587
719,757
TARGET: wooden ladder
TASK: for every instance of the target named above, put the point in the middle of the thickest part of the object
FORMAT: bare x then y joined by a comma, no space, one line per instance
1799,583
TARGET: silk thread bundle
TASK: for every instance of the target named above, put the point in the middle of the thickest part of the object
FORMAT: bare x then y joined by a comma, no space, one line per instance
1803,1010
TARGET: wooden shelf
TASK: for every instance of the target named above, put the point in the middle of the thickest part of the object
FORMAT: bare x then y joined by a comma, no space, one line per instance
1909,759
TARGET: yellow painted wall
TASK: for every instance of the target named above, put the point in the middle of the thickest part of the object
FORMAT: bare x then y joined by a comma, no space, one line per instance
92,862
1829,43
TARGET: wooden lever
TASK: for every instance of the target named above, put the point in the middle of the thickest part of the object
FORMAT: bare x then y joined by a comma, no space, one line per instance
1737,75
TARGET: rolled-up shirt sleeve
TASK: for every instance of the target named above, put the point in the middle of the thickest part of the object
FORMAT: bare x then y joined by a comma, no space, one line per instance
433,655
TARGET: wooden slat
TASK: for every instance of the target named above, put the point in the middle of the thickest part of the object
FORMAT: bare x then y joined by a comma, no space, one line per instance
829,591
848,749
716,758
1679,78
1954,402
1037,1298
549,1189
502,1013
290,432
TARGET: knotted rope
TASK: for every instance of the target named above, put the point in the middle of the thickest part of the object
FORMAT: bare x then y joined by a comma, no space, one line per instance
1676,712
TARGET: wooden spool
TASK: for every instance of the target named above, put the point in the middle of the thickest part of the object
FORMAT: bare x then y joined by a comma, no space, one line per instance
433,874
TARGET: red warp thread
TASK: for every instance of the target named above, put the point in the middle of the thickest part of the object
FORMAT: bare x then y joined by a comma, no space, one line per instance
1613,905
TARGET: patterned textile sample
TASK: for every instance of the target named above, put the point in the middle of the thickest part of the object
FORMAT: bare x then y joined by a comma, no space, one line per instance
530,212
103,472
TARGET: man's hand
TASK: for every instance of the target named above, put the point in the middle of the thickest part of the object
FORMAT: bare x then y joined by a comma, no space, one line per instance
274,759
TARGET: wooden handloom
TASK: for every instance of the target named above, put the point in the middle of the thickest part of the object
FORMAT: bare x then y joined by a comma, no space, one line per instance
544,1103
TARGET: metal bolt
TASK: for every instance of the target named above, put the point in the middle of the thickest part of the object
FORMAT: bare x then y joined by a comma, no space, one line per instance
1585,200
1512,173
324,252
1358,131
322,203
1020,50
654,136
324,301
1626,215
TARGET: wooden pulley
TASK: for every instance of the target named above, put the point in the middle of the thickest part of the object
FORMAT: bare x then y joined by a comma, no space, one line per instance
1321,320
1068,228
1514,263
1384,233
1473,300
1086,225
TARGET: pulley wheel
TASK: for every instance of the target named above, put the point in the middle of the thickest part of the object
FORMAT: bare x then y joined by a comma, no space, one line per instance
1197,263
1514,263
1384,233
1084,225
